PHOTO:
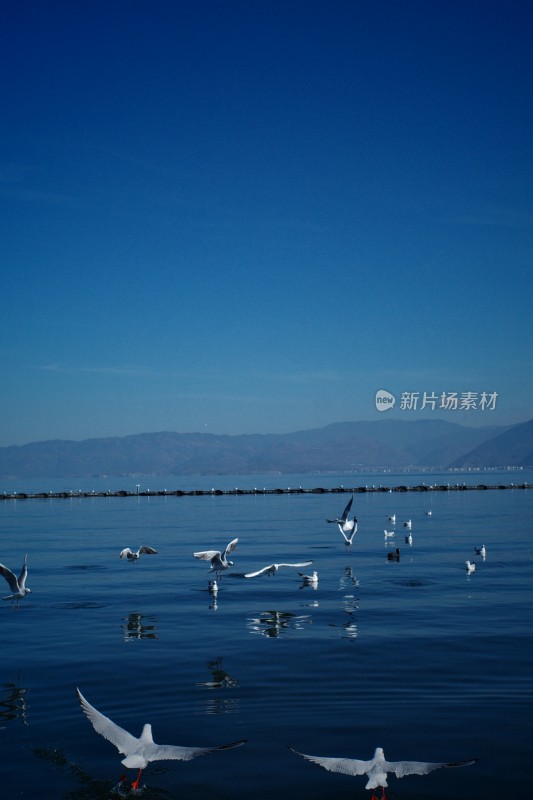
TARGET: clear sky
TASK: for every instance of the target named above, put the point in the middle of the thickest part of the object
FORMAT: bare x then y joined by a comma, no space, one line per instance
245,216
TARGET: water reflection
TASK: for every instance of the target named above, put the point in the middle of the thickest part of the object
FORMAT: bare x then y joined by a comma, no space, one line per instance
139,626
13,704
89,788
277,623
348,581
220,679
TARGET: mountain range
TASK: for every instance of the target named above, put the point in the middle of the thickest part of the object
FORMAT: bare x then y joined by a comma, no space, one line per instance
342,446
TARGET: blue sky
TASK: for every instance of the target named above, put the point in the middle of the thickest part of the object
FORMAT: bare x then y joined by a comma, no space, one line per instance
240,217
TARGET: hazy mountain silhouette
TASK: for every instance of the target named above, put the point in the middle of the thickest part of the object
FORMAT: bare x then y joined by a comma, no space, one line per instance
342,446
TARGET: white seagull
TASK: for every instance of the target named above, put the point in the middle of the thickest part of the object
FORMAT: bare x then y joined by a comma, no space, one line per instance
408,524
309,580
481,551
392,519
376,768
470,567
409,539
388,534
133,557
219,560
273,568
139,752
17,585
348,527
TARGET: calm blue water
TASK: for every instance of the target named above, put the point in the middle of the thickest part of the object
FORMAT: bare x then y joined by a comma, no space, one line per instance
415,656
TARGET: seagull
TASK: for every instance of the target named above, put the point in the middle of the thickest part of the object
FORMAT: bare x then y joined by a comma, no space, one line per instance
481,551
392,519
408,524
388,534
409,539
394,556
376,768
273,568
309,580
133,557
470,567
17,585
219,561
212,587
139,752
429,513
348,527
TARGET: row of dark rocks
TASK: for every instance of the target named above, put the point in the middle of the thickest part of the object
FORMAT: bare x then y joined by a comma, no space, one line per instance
424,487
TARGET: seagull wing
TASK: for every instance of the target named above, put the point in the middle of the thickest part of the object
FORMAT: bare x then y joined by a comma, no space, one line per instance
302,564
172,752
260,571
124,553
348,766
347,509
10,578
401,768
123,741
207,555
230,548
148,550
23,574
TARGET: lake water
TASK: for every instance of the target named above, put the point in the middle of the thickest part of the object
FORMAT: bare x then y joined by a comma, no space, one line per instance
414,656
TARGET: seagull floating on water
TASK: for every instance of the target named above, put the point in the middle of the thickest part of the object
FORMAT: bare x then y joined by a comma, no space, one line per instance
139,752
470,567
376,768
392,519
133,557
309,580
17,585
348,527
273,568
408,524
219,560
388,534
409,539
481,551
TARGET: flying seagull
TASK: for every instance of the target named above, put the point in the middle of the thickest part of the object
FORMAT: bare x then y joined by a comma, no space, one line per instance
17,585
219,560
273,568
139,752
376,768
348,527
133,557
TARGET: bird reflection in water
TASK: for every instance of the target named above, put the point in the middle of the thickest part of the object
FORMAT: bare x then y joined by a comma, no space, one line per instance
276,623
13,704
138,626
220,679
348,581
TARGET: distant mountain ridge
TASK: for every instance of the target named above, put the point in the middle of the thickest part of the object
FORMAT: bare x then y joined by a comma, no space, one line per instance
342,446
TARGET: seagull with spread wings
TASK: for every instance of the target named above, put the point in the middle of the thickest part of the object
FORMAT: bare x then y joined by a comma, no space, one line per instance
141,751
376,768
17,585
219,559
134,557
273,568
348,527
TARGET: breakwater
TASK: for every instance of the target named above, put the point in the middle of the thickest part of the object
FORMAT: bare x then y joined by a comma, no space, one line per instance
424,487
